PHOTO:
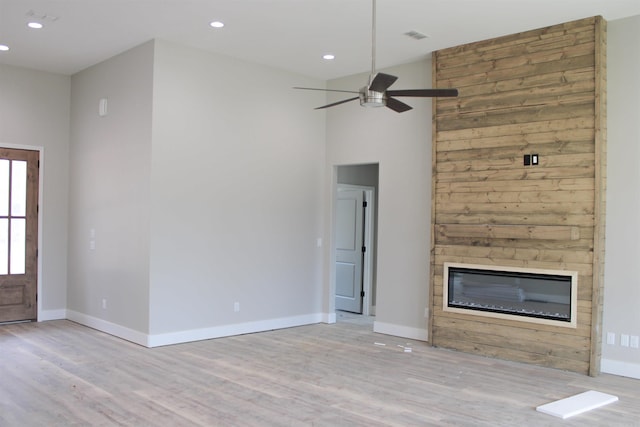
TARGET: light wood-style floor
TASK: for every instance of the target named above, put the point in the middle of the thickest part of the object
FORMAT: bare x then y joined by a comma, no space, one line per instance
59,373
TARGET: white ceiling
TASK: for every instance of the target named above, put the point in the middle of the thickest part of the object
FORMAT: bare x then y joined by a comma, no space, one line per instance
288,34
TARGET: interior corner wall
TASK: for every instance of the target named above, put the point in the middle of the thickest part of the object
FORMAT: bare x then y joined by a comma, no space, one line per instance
399,143
110,159
34,114
622,271
237,186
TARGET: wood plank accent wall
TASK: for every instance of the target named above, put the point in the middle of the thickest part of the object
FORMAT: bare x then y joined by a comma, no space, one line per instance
537,92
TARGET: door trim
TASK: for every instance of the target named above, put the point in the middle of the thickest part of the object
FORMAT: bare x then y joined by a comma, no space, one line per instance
368,236
40,149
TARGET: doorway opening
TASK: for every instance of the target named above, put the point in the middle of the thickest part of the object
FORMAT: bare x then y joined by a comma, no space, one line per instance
354,237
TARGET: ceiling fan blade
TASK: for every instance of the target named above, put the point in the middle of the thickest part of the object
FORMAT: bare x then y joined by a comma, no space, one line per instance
327,90
397,106
381,82
337,103
424,92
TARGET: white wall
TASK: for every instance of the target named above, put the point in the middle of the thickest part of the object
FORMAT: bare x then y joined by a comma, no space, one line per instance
237,192
622,269
400,144
109,193
34,114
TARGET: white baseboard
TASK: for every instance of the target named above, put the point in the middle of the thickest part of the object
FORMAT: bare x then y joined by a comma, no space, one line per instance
329,318
624,369
109,327
234,329
179,337
400,331
46,315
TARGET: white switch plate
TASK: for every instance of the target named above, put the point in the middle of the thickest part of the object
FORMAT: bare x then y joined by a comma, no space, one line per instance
624,340
236,307
611,338
103,107
634,341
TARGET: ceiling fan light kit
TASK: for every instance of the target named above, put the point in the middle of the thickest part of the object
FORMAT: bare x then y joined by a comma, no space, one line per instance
375,94
371,98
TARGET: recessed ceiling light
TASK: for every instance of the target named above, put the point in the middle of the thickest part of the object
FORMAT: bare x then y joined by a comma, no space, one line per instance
4,47
328,56
35,25
216,24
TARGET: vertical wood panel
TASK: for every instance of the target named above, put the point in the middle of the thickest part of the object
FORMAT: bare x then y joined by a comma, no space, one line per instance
538,92
432,243
600,186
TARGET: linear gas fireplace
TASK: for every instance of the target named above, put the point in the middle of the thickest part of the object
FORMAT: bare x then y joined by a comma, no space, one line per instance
524,294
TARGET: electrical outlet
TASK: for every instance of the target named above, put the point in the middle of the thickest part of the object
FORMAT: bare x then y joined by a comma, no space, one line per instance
236,307
611,338
634,341
624,340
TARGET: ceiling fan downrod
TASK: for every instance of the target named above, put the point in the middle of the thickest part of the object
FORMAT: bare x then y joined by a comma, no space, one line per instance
368,96
373,40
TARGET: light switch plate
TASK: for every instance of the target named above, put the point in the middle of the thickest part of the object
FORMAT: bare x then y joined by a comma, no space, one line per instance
624,340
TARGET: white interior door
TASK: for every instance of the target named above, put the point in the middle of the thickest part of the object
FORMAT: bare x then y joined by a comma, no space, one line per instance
349,243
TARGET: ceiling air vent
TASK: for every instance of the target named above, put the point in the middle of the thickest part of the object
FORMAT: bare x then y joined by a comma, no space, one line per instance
416,35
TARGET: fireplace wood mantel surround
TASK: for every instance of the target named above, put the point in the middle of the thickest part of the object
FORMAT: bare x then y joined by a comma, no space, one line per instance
542,93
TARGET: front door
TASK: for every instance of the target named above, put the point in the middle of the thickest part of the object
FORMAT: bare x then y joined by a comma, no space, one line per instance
349,243
18,234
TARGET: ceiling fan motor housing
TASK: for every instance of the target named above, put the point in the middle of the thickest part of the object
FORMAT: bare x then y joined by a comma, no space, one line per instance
371,98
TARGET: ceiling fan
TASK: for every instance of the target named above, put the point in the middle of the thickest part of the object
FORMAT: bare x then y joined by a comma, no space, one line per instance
375,93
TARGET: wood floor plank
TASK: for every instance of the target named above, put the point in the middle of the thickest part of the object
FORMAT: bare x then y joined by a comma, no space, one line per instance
59,373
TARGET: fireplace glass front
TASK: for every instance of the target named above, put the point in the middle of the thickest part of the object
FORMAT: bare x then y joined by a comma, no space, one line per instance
535,294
